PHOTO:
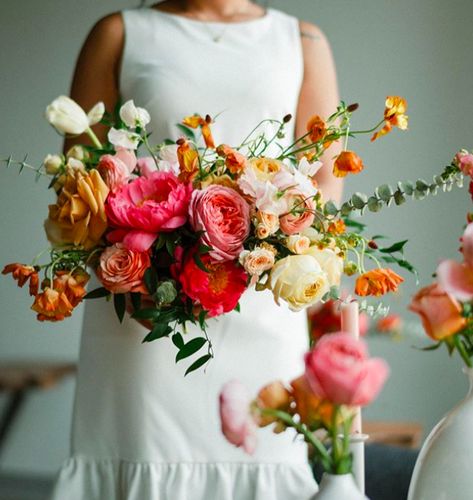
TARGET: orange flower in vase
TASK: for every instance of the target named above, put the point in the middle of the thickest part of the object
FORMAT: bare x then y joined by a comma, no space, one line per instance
22,273
347,162
394,116
377,282
71,284
52,305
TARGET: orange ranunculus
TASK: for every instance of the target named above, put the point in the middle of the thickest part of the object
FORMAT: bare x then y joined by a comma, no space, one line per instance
377,282
195,121
234,160
52,305
22,273
71,284
311,409
347,162
316,128
188,162
392,323
394,116
337,227
273,396
78,217
440,312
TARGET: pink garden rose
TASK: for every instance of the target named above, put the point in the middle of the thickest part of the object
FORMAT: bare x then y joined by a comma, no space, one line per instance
456,278
142,209
464,160
339,370
299,214
238,426
224,216
116,169
121,270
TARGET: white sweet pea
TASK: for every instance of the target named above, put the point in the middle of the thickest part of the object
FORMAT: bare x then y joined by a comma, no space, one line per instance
168,161
268,199
67,117
132,116
307,168
52,164
123,138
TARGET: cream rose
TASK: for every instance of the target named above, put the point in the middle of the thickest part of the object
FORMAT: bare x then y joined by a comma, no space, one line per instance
298,244
299,280
330,262
257,261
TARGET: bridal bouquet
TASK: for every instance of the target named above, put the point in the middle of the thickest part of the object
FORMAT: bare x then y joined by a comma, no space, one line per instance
177,235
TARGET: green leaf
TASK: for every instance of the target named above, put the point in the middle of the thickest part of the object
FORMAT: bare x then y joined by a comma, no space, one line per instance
151,280
237,308
420,195
396,247
346,208
203,249
202,316
161,242
399,198
97,293
177,340
378,237
159,331
422,186
355,224
330,208
385,192
190,348
431,347
188,132
359,200
374,205
119,304
135,300
199,263
407,187
148,313
197,364
170,246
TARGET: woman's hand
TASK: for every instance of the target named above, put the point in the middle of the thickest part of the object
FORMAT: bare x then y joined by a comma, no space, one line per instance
146,301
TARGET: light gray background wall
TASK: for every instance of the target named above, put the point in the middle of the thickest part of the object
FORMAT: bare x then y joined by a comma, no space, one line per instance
420,49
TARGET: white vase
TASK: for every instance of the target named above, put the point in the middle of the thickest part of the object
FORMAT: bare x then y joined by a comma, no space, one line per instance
338,487
444,468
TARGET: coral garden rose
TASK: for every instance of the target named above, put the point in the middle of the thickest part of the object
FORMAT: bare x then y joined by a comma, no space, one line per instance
347,162
299,214
298,280
224,217
339,370
78,217
219,289
439,311
142,209
116,169
238,426
377,282
122,270
257,261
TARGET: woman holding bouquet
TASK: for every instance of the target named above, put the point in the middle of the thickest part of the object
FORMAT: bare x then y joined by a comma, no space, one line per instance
141,430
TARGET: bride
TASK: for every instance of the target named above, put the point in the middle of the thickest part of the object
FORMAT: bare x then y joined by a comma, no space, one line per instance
141,431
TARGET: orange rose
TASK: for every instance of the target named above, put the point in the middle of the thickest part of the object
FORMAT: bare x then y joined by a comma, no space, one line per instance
52,305
274,396
439,311
394,116
311,409
22,273
316,128
71,284
234,161
78,217
188,161
377,282
347,162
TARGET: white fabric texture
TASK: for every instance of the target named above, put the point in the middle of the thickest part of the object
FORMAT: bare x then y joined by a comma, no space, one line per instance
141,431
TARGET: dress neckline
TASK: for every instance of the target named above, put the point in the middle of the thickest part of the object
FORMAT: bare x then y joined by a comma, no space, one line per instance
179,17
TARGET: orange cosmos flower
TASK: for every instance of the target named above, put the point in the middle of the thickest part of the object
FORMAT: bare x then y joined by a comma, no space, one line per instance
347,162
71,284
52,305
394,116
234,161
188,161
195,121
22,273
316,128
377,282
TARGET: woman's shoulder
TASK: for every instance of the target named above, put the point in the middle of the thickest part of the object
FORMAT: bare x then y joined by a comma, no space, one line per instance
110,26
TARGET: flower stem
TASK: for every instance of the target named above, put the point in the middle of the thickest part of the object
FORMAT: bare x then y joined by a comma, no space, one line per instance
94,138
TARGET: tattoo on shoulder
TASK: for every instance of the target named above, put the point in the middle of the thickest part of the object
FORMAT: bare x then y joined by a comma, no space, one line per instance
310,35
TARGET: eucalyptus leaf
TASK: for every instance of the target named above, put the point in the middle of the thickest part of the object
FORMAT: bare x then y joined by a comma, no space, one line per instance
399,198
374,205
385,191
422,186
359,200
407,187
346,208
330,208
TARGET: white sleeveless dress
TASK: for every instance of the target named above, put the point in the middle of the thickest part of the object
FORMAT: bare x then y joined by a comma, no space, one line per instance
141,431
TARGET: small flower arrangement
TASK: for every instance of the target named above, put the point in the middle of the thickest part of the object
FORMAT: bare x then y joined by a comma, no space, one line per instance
176,236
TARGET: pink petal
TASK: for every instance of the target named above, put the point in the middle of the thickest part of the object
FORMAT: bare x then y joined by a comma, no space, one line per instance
127,157
456,279
467,245
139,241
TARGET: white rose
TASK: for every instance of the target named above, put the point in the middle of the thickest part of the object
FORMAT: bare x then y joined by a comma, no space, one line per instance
77,152
298,244
330,262
52,164
69,118
123,138
298,280
312,234
132,116
257,261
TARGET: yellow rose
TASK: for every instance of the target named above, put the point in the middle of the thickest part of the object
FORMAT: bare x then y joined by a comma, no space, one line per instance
330,262
299,280
78,217
265,168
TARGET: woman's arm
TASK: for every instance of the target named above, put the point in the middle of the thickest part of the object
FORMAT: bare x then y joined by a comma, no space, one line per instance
96,72
319,96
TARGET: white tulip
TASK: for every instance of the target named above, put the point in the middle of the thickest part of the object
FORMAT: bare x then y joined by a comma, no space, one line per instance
132,116
123,138
52,164
69,118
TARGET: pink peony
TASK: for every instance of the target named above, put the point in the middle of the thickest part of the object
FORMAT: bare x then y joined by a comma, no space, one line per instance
299,214
238,425
456,278
338,369
145,207
116,169
121,270
224,216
